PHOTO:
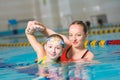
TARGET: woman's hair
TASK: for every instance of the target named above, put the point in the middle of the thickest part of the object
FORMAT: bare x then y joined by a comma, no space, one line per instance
58,36
80,23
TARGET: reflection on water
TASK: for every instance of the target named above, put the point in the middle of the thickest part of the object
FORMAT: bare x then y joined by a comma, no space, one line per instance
69,71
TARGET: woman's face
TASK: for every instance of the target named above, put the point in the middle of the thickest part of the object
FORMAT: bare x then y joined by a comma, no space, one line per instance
77,35
54,48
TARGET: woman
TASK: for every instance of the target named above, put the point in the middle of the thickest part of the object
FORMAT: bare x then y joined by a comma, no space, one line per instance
75,50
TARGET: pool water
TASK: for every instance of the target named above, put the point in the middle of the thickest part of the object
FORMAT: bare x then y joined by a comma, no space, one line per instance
14,62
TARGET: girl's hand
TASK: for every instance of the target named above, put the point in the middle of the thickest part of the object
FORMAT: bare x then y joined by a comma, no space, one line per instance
30,28
39,26
34,26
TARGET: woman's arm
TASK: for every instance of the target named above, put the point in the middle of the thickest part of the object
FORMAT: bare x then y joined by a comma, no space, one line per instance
33,41
48,32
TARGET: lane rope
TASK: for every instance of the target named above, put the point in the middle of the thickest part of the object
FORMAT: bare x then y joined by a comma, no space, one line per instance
106,31
92,43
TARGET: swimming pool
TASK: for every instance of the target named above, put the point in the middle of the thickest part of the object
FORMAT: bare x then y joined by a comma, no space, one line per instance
13,57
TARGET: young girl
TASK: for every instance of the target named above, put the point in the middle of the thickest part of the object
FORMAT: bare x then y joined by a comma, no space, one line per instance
52,49
48,54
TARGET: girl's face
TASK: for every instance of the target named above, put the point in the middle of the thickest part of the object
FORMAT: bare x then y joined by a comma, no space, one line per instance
54,48
77,35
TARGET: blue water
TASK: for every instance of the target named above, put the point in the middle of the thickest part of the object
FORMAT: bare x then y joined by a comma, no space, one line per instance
12,59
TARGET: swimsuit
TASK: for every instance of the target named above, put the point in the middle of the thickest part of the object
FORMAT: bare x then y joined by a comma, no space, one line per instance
42,61
65,58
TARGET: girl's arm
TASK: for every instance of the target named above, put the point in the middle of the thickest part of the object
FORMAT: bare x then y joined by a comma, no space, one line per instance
33,41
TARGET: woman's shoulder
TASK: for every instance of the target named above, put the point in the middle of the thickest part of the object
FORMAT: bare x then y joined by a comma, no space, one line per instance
89,56
90,53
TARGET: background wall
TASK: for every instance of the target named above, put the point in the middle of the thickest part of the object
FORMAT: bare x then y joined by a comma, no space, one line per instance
57,13
14,9
85,9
